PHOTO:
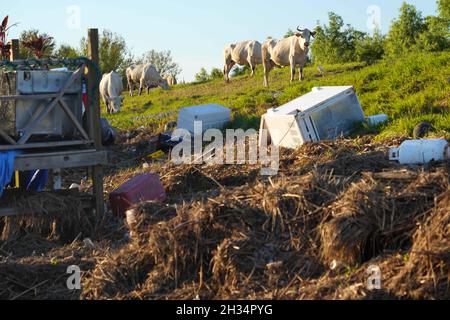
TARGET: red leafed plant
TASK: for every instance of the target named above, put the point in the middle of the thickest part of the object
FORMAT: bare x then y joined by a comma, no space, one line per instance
4,45
38,44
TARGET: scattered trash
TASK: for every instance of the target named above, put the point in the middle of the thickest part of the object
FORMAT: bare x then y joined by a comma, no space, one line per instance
167,142
326,113
109,134
144,187
156,155
374,121
420,151
145,166
337,266
88,243
142,216
131,135
212,116
36,180
6,168
422,129
75,186
170,126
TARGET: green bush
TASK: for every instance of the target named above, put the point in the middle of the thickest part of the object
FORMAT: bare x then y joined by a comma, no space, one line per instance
405,31
370,49
216,73
334,43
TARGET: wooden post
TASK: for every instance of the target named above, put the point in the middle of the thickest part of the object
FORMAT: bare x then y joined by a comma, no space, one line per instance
14,53
93,119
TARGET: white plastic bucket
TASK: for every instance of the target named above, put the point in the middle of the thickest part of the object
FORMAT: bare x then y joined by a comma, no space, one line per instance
420,151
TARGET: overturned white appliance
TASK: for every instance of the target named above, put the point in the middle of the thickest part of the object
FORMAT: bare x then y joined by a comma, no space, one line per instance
421,151
323,114
212,116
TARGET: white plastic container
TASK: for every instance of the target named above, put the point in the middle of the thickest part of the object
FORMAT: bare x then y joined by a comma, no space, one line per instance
212,116
420,151
323,114
373,121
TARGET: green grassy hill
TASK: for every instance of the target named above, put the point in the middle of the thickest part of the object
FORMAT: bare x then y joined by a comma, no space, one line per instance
409,89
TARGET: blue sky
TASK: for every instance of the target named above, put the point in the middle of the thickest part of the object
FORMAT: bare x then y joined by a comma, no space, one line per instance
196,31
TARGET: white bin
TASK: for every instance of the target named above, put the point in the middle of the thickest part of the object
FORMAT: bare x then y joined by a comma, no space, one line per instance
212,116
323,114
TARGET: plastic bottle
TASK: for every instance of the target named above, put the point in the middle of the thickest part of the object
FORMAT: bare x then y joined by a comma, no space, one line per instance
376,120
421,151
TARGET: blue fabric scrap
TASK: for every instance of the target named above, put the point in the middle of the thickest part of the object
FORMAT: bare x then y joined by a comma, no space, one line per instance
6,168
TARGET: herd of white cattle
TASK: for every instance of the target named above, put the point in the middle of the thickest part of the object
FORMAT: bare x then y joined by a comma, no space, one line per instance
292,51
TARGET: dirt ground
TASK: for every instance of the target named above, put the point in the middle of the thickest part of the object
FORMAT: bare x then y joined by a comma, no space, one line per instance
336,212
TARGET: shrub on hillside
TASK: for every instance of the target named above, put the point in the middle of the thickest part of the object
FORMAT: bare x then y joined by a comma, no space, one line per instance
405,31
336,42
216,73
370,48
202,76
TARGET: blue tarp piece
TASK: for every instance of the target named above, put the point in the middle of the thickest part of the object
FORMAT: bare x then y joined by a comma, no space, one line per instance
37,180
6,168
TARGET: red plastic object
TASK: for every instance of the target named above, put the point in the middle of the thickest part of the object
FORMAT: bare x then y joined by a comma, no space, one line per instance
144,187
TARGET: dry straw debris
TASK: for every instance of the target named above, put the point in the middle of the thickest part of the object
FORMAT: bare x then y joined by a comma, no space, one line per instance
227,232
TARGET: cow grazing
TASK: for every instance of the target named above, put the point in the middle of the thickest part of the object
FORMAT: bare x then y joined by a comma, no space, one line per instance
243,53
171,80
145,75
111,88
292,51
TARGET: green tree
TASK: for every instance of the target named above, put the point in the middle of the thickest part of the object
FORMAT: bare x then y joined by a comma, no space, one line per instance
163,62
202,76
35,36
113,52
216,73
336,42
444,10
289,33
436,36
370,48
405,31
66,51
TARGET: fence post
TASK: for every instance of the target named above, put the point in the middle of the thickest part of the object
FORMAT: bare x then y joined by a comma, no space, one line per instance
93,116
14,53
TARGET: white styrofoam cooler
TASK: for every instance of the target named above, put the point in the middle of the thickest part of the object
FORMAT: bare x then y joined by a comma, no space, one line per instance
212,116
323,114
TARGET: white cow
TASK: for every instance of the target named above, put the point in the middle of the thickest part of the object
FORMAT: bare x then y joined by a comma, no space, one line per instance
243,53
292,51
145,75
111,88
171,80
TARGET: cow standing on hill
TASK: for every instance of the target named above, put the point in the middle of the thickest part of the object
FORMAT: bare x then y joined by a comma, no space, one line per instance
145,75
292,51
171,80
111,88
243,53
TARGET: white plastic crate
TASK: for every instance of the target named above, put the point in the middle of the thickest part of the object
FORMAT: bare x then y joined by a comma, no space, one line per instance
212,116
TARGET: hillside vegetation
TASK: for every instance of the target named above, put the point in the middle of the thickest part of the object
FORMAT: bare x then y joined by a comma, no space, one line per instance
410,89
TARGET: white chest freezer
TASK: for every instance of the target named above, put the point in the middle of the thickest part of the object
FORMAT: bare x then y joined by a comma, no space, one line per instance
212,116
323,114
